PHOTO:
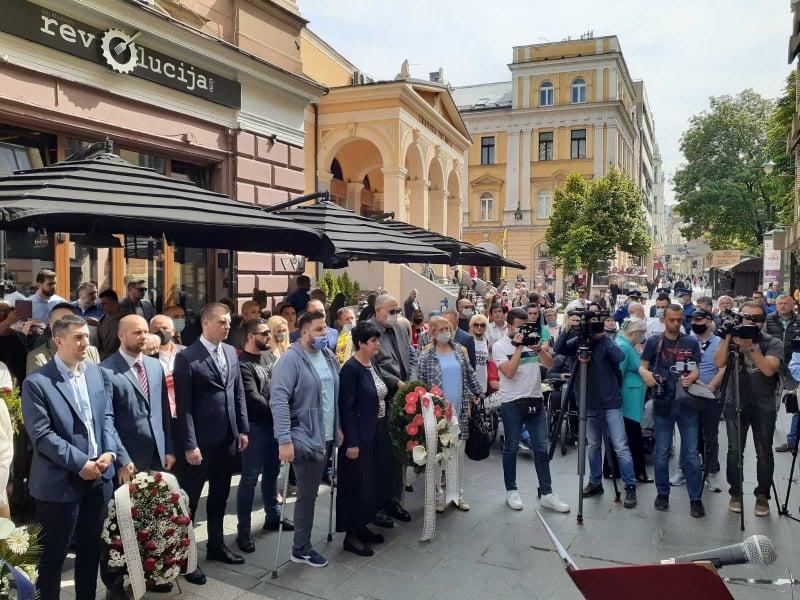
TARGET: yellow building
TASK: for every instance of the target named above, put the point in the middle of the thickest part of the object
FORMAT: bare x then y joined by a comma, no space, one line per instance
385,146
570,106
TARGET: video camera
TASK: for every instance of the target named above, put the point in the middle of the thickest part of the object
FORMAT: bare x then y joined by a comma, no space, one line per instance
592,322
7,286
733,325
531,333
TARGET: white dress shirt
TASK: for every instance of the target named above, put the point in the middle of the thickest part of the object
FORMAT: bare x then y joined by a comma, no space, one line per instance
80,395
218,355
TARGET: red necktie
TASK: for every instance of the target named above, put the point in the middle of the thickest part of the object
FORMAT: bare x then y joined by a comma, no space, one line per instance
142,377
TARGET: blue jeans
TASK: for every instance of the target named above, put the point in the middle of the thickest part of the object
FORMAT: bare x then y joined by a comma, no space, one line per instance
615,429
791,438
688,422
513,420
260,458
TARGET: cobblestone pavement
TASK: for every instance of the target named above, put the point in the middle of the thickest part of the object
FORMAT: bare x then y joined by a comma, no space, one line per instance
494,552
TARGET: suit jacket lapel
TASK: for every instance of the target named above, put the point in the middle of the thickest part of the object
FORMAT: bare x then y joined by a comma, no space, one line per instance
66,391
210,360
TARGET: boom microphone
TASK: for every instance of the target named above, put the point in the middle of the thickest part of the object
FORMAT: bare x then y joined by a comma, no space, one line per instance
755,549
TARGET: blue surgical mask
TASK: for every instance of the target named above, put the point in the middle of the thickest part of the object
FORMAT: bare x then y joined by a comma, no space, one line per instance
180,324
443,337
660,312
320,342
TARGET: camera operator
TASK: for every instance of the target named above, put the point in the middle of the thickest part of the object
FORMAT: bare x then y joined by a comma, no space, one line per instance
603,401
522,404
783,324
758,381
659,358
725,306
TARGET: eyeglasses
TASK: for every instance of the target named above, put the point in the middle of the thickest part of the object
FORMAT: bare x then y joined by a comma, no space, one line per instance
395,311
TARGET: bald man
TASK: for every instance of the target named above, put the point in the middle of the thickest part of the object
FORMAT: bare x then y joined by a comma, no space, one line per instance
238,335
138,390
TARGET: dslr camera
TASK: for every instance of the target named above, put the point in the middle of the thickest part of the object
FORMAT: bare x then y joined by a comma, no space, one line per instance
733,325
592,322
530,332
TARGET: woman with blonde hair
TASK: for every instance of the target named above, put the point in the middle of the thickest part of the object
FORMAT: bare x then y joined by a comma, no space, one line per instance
279,335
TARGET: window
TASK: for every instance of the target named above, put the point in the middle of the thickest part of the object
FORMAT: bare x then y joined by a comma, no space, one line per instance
578,149
487,150
543,205
546,94
546,145
487,207
578,91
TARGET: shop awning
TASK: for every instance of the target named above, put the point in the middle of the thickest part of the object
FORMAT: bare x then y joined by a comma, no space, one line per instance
106,195
460,253
355,237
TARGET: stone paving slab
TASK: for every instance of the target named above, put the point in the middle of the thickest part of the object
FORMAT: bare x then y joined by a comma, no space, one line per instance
493,552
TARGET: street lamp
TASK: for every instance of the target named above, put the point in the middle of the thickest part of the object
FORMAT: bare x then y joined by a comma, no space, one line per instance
768,166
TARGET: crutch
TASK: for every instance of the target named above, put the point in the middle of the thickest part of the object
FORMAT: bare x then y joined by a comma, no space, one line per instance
334,475
280,523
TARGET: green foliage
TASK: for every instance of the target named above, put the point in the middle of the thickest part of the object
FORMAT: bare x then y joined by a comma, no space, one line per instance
335,284
592,218
722,191
13,402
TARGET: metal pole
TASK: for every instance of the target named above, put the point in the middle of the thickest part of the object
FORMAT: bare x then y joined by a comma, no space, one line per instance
584,355
280,524
740,458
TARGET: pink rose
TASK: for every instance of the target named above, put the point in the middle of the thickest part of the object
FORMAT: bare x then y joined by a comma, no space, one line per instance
410,409
412,429
149,564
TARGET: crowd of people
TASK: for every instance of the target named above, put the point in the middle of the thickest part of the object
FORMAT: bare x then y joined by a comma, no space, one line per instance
111,387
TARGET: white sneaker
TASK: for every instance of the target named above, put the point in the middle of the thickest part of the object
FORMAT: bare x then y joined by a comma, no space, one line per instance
553,502
677,478
513,500
712,483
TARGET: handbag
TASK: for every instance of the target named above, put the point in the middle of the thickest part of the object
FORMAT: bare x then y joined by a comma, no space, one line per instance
790,400
479,442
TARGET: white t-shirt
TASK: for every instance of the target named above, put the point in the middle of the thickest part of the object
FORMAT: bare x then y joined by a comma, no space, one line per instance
481,359
494,333
656,327
527,381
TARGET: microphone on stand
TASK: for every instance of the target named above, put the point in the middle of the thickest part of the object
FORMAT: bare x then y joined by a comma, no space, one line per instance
756,549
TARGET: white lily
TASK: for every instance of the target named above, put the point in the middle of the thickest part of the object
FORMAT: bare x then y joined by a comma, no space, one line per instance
441,425
419,455
6,527
444,439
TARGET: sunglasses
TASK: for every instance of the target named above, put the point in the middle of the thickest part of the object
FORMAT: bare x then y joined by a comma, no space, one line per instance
396,311
482,325
264,333
754,318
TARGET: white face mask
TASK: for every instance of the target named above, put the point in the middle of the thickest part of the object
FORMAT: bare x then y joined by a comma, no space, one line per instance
347,326
391,319
443,337
467,312
180,324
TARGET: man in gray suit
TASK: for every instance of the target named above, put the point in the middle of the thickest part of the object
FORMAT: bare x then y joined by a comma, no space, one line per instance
397,365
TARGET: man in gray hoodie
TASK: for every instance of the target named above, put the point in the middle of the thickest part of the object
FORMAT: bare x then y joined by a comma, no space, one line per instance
303,399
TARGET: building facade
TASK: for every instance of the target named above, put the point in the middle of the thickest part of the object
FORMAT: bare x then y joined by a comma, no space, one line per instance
393,146
211,92
569,106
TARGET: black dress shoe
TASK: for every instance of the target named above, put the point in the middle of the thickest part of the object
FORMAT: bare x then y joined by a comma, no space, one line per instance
363,551
222,554
369,537
197,577
381,519
116,595
273,525
245,542
593,489
644,479
398,512
160,588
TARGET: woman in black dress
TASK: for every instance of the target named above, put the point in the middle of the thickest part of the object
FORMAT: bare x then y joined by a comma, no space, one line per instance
362,395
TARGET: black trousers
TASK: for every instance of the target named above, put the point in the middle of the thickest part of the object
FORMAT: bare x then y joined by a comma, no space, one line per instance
708,440
762,420
59,520
217,467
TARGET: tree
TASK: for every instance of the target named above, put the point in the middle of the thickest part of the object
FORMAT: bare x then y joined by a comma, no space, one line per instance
591,219
722,191
778,129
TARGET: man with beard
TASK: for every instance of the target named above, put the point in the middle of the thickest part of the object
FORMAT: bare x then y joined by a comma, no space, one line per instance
45,298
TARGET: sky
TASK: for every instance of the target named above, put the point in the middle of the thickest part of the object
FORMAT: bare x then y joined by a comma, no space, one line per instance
685,50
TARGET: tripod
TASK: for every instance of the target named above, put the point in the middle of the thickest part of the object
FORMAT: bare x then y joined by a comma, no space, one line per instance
734,366
784,510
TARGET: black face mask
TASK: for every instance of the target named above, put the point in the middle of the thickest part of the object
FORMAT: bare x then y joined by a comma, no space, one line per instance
699,328
418,320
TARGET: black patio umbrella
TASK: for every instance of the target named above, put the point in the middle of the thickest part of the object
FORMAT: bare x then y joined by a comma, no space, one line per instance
355,237
460,253
104,194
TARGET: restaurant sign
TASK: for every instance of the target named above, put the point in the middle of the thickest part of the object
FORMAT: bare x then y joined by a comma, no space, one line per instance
115,49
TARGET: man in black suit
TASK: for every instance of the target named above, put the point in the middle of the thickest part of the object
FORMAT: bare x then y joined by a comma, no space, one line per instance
70,422
397,365
212,424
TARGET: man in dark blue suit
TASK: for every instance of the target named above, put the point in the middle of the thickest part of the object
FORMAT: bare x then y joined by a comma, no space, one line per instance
138,391
212,423
69,419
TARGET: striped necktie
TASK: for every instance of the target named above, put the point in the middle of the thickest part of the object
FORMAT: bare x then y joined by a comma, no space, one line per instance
142,377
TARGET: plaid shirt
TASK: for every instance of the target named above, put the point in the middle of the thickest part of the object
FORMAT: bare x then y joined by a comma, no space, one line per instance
430,371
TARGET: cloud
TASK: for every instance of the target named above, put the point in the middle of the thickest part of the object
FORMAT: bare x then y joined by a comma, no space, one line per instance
684,50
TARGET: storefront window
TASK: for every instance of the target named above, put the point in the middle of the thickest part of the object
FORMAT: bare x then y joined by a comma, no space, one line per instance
88,263
189,281
144,259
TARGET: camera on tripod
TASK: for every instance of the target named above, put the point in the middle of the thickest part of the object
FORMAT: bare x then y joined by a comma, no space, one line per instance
531,333
592,322
734,325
